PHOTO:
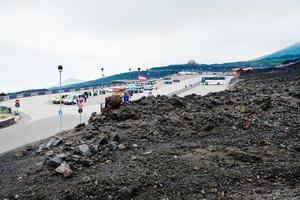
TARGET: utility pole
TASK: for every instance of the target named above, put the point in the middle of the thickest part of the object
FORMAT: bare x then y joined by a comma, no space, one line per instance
60,69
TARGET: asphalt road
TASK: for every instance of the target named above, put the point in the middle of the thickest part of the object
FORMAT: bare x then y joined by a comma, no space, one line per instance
40,117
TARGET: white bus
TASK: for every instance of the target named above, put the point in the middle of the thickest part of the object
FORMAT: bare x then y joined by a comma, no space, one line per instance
217,80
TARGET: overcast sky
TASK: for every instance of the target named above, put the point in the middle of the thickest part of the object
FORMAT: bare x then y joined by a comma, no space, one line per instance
84,35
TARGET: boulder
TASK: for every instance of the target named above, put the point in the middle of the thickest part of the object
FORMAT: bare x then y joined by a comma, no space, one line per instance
113,102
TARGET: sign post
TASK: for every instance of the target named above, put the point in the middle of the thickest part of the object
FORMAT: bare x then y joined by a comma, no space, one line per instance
80,108
17,105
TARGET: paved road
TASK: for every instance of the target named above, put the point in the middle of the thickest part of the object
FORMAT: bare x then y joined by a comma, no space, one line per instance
40,119
201,89
24,133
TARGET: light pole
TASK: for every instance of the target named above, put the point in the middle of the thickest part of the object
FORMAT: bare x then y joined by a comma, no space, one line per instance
60,69
129,73
148,74
139,69
102,69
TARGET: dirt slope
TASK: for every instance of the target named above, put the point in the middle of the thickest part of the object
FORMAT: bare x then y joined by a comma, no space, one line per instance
237,144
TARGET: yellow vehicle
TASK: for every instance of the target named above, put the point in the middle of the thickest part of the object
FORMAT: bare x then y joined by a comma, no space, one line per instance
56,100
117,91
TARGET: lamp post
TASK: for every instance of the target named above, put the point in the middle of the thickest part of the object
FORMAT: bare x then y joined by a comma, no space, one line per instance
129,73
139,69
148,74
60,69
102,69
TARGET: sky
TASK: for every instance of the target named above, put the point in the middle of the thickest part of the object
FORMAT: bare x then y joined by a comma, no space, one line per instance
83,36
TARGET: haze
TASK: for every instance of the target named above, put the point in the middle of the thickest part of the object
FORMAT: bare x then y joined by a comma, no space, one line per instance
83,36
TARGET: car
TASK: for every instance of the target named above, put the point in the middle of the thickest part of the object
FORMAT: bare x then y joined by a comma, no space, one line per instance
56,100
148,87
176,81
71,99
168,82
167,78
151,82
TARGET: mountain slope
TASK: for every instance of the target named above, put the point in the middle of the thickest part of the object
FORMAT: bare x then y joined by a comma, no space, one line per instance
69,81
290,51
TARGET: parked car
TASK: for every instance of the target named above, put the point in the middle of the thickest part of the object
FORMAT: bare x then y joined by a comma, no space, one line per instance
71,99
168,82
167,78
176,81
56,100
148,87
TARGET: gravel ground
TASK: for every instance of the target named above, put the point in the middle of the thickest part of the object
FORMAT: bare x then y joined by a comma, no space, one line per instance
242,143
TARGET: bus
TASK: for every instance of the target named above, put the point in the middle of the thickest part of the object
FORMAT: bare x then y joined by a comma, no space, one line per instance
218,80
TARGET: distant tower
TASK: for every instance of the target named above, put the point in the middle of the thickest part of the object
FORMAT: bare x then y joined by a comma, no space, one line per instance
192,62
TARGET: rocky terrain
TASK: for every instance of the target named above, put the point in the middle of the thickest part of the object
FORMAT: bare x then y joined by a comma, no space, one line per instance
242,143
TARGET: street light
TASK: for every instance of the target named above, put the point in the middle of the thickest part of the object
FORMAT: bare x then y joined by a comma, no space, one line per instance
129,73
102,69
139,69
60,69
148,73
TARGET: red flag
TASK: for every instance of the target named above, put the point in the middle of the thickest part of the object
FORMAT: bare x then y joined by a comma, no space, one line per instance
142,78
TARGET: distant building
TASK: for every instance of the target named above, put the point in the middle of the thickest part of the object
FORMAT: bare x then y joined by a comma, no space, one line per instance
192,62
187,73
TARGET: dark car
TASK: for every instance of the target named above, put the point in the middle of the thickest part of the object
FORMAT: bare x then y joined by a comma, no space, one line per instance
168,82
176,81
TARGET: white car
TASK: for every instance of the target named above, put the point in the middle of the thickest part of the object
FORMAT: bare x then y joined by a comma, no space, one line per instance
148,87
71,99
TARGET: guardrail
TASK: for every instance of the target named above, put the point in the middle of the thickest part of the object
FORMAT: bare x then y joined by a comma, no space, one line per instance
41,93
7,122
31,94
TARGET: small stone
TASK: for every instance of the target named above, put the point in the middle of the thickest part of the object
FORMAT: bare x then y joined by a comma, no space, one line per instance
114,145
49,144
49,153
20,153
115,137
121,146
86,179
147,152
42,147
94,149
103,140
84,150
64,169
133,157
17,196
54,162
135,145
108,162
57,141
54,142
79,126
259,190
